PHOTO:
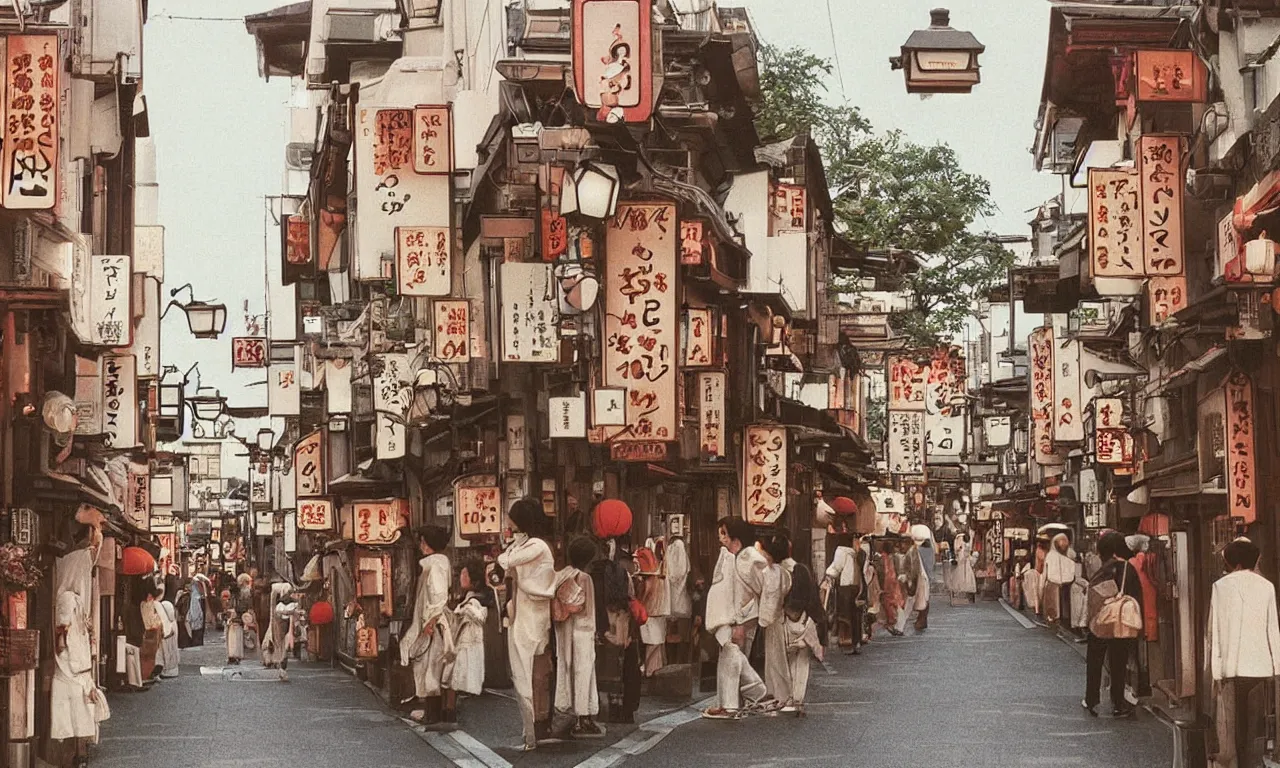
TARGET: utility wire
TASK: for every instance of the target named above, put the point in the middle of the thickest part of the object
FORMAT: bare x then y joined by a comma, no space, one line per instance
196,18
835,50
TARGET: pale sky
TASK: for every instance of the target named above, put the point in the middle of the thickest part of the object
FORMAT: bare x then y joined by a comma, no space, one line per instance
220,131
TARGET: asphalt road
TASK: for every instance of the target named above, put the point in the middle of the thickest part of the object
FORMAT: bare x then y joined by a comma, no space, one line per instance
977,689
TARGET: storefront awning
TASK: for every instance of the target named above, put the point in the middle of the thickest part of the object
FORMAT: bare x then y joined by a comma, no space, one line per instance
1199,365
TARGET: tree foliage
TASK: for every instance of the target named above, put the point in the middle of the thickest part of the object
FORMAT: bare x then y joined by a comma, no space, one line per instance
888,191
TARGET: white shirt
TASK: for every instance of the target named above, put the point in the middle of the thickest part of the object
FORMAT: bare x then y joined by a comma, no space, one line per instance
843,569
1244,632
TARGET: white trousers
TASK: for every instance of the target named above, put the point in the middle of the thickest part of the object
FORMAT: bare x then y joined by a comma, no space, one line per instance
798,662
777,670
734,676
576,690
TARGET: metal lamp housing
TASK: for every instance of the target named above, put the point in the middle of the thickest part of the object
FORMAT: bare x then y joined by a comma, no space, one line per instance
940,59
206,321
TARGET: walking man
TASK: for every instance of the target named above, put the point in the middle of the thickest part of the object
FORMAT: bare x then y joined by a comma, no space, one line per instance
733,610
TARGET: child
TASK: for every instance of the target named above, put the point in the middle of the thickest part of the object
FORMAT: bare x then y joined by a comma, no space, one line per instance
471,613
802,643
573,609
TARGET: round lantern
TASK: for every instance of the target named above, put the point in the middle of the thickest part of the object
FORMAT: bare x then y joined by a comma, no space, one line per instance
843,505
136,561
321,613
611,518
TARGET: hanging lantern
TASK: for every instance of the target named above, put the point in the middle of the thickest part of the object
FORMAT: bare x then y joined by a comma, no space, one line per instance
843,505
321,613
823,514
136,561
611,518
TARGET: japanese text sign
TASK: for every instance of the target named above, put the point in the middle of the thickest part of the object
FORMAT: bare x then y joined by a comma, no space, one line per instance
697,337
1108,413
1230,257
612,58
764,476
529,313
568,416
379,522
1040,346
906,442
1170,75
555,234
119,401
691,242
308,465
423,261
945,388
315,514
478,510
433,139
787,209
1112,447
641,333
453,331
711,417
1115,223
1160,165
138,502
907,380
110,301
297,240
248,352
392,389
30,167
1166,297
1068,421
1241,489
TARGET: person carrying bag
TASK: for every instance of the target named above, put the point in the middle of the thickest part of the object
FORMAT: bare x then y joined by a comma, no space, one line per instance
1115,620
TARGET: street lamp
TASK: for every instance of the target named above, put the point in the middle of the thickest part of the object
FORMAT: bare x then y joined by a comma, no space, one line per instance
266,439
939,59
205,320
207,407
593,192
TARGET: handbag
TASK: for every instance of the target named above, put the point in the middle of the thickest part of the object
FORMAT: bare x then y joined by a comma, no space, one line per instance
101,710
1119,617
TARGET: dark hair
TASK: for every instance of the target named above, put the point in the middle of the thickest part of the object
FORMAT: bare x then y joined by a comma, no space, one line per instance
737,528
581,551
844,539
779,547
528,516
435,536
475,571
1112,545
1241,553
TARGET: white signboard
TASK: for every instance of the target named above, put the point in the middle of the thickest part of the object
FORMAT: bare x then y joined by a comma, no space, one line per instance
478,509
119,401
764,476
259,479
1108,413
423,261
529,313
1089,492
110,301
515,442
392,389
609,407
315,514
391,193
291,531
568,416
452,331
906,442
999,431
378,522
284,393
146,337
711,438
1068,424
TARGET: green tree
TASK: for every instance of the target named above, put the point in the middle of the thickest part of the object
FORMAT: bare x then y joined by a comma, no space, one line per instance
888,191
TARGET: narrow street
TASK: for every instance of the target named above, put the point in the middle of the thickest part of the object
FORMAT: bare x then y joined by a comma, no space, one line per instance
976,689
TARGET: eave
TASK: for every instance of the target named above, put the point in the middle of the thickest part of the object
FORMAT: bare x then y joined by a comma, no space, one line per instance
283,35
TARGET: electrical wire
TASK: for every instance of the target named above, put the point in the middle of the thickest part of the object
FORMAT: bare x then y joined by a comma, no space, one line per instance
835,50
196,18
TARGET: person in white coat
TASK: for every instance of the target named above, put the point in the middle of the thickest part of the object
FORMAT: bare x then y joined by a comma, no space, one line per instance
427,643
574,612
169,653
777,585
1244,652
733,610
845,577
73,695
1059,575
469,617
680,624
963,579
528,561
656,596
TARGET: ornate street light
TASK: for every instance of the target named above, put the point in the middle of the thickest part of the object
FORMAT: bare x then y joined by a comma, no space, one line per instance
205,320
593,191
939,59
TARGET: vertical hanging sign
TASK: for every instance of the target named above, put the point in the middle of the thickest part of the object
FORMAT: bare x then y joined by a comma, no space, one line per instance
30,167
1109,413
944,420
391,392
308,465
138,504
1042,403
110,301
1241,490
907,380
119,401
641,332
612,58
691,242
453,331
1160,166
1166,296
711,418
529,313
764,475
433,139
906,442
697,337
1115,223
423,261
1068,421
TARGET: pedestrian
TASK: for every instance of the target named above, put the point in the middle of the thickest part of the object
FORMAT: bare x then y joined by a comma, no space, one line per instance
871,603
169,654
1031,586
277,638
618,655
531,567
152,628
238,612
1059,575
844,576
195,611
777,586
1244,654
73,696
427,645
963,579
574,612
804,642
892,597
733,609
921,561
656,597
469,618
680,624
182,604
1115,652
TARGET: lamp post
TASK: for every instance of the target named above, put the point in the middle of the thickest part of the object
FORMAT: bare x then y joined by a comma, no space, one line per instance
205,320
939,59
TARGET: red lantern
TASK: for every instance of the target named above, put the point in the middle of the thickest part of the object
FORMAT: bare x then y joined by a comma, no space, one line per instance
843,505
136,561
321,613
611,518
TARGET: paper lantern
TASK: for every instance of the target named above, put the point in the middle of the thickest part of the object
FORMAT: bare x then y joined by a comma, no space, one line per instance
611,518
823,514
136,561
843,505
321,613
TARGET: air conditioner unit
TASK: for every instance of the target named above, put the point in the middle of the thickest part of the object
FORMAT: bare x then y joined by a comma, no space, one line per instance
298,155
1208,185
106,44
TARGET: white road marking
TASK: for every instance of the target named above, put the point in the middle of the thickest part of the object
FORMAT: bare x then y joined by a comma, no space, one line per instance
480,751
1017,615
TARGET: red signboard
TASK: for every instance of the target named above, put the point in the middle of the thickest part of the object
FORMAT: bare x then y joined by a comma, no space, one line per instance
1171,75
638,451
613,58
1242,497
248,352
315,514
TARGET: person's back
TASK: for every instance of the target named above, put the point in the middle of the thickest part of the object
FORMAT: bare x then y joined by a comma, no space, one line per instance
1243,627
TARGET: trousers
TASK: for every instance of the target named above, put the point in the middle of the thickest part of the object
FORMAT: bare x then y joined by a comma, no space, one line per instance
1115,653
735,677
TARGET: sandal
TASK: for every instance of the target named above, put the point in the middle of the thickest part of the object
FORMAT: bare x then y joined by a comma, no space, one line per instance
720,713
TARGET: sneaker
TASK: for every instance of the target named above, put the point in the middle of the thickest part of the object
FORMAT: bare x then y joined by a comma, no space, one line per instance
788,709
720,713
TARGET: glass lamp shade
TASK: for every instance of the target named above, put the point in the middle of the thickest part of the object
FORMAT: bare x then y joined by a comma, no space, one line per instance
597,190
266,439
207,408
206,320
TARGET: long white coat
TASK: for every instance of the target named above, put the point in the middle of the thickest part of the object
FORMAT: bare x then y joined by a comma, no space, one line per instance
777,672
534,568
427,653
169,654
71,710
1244,631
467,674
576,690
678,579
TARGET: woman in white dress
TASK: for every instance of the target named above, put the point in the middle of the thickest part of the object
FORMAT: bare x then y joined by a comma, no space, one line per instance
532,567
469,617
574,612
239,606
169,654
277,641
964,581
427,645
1059,575
73,694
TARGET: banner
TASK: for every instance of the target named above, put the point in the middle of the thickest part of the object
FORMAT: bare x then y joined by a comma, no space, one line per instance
906,442
764,475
